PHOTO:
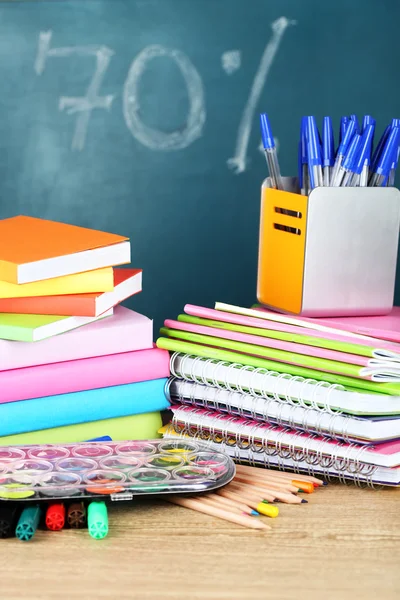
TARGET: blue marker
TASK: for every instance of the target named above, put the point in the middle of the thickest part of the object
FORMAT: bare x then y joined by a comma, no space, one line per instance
314,154
344,121
304,182
344,144
270,152
361,168
328,150
385,160
345,173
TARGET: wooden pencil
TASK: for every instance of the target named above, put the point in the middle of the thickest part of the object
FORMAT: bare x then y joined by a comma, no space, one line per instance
213,511
261,491
231,508
277,482
244,507
274,484
282,474
266,509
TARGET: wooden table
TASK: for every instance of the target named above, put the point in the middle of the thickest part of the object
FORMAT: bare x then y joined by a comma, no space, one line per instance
344,544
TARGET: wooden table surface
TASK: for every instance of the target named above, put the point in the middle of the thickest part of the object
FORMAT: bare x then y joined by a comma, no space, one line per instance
345,543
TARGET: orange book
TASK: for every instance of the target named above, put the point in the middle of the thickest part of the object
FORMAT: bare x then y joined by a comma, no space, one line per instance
127,282
34,249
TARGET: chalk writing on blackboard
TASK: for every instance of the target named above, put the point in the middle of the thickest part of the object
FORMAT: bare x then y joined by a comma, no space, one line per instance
83,105
156,139
239,160
231,61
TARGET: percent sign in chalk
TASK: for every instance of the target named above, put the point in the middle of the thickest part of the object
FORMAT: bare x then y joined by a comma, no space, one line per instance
148,136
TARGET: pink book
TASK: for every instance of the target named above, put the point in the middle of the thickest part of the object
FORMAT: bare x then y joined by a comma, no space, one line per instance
384,328
236,319
125,331
83,374
247,338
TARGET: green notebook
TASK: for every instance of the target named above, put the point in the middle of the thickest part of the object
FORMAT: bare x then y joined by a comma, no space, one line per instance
204,345
133,427
33,328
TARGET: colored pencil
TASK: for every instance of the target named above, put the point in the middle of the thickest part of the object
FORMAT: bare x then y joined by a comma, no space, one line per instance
280,474
244,507
261,491
213,511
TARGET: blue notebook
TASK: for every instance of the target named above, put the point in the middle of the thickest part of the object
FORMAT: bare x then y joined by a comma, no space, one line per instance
83,407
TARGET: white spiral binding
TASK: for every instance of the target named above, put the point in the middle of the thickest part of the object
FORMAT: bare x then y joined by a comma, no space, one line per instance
192,393
208,375
299,450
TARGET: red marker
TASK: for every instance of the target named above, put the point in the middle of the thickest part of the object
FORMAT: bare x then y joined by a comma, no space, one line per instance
55,517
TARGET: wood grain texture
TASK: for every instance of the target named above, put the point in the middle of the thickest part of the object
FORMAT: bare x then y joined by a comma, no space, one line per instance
344,544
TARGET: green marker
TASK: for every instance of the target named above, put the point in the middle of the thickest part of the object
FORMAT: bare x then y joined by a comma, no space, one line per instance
97,520
28,523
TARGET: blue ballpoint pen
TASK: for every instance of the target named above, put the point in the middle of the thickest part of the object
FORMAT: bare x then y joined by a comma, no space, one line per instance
328,150
344,121
355,119
385,160
350,130
367,120
392,173
382,142
361,160
314,154
361,169
304,182
270,152
345,173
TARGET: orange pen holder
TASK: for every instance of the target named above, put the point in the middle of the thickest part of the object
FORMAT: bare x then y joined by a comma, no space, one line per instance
332,253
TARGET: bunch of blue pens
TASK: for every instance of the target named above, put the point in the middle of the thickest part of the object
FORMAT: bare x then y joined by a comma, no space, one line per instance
355,163
22,520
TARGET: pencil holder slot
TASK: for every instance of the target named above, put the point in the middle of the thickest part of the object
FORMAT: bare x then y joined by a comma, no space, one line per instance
332,253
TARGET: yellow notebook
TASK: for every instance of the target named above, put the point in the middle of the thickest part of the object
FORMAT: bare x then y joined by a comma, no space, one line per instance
99,280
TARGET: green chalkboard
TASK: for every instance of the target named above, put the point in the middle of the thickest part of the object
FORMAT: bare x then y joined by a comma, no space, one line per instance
141,118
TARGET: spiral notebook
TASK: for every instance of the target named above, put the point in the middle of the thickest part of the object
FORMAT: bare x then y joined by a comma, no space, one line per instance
285,412
191,343
380,463
361,474
281,386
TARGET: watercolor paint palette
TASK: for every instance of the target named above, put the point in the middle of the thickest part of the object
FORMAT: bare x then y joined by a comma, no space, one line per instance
118,470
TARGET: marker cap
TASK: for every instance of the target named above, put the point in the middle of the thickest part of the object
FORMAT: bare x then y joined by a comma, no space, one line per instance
97,520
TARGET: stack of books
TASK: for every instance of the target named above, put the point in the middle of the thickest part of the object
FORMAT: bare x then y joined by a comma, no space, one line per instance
281,392
75,365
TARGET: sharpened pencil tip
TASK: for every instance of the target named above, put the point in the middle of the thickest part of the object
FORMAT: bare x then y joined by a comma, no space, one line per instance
255,513
304,501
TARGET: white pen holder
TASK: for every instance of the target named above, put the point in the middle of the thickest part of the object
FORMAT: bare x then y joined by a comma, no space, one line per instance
332,253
